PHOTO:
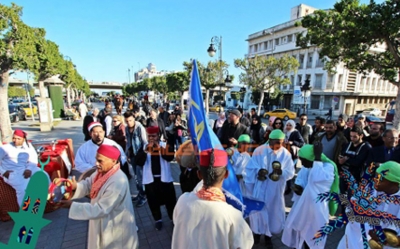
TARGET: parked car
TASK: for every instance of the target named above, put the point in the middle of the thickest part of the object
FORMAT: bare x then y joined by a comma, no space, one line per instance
216,108
372,111
17,101
262,111
27,109
16,113
284,114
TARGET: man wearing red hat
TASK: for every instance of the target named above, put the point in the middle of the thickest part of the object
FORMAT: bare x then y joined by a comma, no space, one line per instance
157,177
110,211
85,156
203,219
18,162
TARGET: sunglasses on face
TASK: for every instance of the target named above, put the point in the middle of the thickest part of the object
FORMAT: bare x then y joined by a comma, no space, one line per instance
278,123
303,119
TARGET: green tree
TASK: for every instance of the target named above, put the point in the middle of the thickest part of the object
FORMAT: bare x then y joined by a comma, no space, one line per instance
50,62
17,52
178,82
211,76
264,73
159,84
15,91
351,33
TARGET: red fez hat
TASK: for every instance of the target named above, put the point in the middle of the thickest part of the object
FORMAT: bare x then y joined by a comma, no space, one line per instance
93,124
109,151
152,129
20,133
220,158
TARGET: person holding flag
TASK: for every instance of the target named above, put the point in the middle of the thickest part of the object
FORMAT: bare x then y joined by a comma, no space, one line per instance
266,175
203,219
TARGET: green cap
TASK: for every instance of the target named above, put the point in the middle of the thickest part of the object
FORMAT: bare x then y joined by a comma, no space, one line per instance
244,138
390,171
277,134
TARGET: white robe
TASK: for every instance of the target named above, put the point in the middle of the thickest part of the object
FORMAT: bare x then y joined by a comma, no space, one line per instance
18,159
110,214
240,161
353,237
203,224
85,157
271,219
308,216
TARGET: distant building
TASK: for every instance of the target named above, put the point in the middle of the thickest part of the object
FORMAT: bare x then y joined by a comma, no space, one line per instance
149,72
346,91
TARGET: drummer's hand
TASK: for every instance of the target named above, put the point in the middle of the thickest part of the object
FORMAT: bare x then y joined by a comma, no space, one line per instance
373,235
27,173
7,173
66,203
278,171
74,183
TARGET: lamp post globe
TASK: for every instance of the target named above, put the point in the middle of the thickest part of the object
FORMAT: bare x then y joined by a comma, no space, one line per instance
211,50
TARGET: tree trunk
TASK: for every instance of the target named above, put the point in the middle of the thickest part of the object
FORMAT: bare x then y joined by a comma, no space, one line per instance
207,101
73,94
69,96
42,89
261,102
182,105
396,118
5,127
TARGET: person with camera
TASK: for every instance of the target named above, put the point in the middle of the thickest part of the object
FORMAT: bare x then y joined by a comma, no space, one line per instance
318,175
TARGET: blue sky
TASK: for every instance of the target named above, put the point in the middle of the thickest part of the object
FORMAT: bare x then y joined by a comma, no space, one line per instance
104,38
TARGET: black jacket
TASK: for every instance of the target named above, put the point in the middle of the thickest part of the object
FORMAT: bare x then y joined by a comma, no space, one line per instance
305,132
357,159
228,131
296,138
161,126
377,155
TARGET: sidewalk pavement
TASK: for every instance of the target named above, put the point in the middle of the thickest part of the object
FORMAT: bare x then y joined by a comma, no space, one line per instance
63,232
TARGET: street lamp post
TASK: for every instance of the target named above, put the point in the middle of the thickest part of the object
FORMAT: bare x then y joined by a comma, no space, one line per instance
216,42
306,92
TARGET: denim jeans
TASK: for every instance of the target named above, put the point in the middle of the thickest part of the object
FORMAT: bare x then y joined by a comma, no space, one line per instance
138,176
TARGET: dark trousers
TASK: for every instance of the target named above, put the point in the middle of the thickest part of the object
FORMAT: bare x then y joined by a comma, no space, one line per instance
158,194
188,179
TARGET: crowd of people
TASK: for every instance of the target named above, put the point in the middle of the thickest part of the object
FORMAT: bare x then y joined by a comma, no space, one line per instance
265,159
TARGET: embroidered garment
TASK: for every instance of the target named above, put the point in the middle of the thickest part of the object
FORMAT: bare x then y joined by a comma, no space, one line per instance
211,194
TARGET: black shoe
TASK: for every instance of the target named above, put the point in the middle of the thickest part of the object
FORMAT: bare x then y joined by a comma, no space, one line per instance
135,199
268,242
257,238
158,225
141,202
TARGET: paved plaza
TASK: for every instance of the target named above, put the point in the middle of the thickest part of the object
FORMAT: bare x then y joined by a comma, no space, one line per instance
63,232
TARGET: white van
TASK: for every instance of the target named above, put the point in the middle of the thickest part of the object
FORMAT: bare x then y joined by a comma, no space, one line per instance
262,111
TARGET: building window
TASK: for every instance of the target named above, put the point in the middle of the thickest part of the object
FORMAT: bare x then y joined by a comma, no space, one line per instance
292,80
340,80
315,99
320,62
328,102
329,82
299,79
270,45
276,41
265,45
309,61
301,61
289,38
255,48
318,82
359,100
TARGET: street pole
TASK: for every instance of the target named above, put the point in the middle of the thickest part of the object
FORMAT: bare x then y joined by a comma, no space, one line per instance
305,102
29,97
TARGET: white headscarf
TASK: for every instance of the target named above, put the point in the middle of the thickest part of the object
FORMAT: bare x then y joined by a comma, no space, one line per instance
288,132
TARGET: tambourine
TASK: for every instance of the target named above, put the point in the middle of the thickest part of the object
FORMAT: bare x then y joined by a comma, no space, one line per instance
60,189
262,174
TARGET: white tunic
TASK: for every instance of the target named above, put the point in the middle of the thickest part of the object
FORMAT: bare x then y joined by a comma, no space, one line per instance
270,220
18,159
353,237
166,175
110,214
240,161
85,157
308,216
203,224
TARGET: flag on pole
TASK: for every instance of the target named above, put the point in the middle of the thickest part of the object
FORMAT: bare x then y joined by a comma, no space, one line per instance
203,137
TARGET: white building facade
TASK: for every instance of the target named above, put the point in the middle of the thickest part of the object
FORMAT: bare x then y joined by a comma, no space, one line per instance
149,72
345,91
